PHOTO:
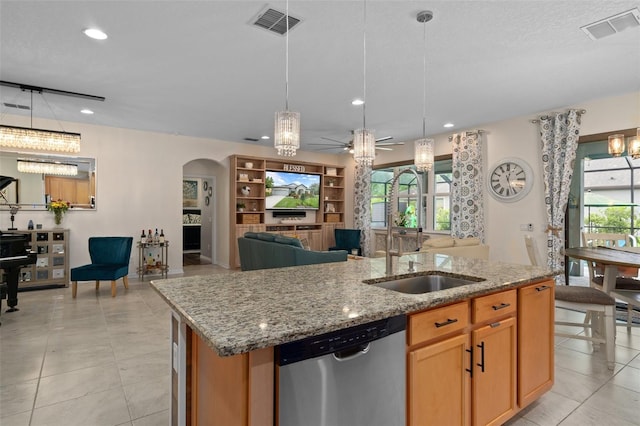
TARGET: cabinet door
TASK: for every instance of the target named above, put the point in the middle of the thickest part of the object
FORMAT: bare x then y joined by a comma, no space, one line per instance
439,383
535,345
494,375
315,240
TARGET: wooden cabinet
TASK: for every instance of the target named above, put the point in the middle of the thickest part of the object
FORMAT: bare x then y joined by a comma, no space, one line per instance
52,263
438,374
536,344
462,362
328,234
494,341
77,192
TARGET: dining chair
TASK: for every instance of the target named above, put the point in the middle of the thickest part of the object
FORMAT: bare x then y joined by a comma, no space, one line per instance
627,288
599,309
109,261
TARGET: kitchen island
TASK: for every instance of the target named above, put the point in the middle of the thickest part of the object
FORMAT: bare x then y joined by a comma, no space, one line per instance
225,326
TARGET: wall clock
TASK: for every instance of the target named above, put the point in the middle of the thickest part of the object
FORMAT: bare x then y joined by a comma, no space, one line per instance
510,179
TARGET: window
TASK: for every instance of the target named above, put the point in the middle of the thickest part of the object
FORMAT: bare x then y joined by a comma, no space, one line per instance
436,207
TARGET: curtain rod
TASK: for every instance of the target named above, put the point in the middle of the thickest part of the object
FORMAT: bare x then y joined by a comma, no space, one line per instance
536,120
471,132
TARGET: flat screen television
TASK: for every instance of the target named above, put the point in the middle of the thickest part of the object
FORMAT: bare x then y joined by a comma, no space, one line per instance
292,191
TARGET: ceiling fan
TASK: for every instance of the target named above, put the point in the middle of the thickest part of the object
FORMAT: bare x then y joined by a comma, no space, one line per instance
348,146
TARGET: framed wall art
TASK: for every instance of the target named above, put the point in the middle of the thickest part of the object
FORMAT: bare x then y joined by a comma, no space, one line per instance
190,193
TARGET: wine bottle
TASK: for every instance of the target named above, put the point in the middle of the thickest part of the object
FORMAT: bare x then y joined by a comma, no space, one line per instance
156,238
161,240
143,238
150,237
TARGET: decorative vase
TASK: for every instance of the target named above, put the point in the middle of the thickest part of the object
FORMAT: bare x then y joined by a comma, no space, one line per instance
58,217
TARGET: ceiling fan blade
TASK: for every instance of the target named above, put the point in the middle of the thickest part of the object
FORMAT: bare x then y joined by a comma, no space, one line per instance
383,149
333,140
390,144
385,138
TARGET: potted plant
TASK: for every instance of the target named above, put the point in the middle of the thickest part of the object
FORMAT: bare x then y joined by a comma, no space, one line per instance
241,206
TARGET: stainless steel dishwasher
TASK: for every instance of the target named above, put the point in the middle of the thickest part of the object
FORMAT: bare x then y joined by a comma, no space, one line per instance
354,376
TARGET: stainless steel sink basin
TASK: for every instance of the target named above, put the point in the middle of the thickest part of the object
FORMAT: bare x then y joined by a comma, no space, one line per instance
424,283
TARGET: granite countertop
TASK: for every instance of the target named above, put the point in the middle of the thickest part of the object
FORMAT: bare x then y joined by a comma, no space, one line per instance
237,312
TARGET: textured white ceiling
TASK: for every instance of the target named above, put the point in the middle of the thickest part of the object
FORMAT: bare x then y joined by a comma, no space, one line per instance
198,68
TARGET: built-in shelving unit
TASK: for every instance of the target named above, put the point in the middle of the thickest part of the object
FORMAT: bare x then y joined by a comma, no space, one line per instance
250,213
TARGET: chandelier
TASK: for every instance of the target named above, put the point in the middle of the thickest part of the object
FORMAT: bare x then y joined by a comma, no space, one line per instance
47,168
364,141
423,155
45,140
286,138
39,139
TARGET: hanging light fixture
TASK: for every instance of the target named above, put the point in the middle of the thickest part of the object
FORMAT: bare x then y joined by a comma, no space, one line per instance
39,139
47,168
286,138
423,156
616,145
633,148
364,141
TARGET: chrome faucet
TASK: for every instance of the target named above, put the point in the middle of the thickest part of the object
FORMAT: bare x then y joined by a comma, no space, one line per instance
393,202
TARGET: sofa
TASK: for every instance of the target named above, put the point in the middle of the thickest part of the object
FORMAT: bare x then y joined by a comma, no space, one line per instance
264,250
463,247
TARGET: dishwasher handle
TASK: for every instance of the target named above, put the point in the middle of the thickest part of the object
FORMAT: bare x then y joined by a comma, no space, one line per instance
351,353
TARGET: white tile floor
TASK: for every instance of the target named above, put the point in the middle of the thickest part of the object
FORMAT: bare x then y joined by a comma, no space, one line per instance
98,360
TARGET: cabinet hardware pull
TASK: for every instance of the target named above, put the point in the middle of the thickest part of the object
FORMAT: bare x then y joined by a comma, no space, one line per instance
495,324
470,369
543,288
447,322
481,363
501,306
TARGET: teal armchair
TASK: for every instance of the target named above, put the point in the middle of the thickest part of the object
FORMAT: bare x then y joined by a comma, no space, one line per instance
347,239
109,261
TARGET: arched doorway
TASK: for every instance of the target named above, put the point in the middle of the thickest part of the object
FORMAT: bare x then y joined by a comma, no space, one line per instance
199,212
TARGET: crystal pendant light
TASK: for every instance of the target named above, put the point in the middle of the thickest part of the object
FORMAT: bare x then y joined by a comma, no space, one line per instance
634,145
364,141
423,156
286,138
47,168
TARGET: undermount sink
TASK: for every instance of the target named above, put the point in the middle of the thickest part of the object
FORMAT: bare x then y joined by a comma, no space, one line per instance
424,283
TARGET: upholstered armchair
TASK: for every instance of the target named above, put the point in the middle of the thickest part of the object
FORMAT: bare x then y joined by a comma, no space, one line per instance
109,261
347,239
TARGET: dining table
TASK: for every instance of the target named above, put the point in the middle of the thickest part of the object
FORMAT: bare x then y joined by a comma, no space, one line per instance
610,259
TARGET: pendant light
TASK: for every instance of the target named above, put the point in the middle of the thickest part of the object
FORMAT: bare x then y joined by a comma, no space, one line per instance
286,138
423,154
634,145
364,141
616,145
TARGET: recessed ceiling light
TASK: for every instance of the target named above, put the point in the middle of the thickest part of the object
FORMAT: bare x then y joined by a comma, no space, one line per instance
95,34
447,125
357,102
265,137
86,111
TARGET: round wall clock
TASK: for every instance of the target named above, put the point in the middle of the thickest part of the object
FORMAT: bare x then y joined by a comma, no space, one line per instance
510,180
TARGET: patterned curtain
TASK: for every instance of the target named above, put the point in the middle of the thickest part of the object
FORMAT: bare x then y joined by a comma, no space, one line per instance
559,134
467,213
362,206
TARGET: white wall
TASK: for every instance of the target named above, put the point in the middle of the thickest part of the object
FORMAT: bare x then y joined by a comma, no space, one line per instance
139,185
518,137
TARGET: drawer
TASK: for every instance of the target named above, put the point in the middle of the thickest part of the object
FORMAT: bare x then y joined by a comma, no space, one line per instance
493,306
438,322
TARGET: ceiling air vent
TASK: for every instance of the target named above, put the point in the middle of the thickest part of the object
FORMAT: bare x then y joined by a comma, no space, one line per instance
274,20
8,105
613,24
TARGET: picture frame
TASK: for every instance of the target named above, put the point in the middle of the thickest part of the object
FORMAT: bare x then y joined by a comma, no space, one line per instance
190,193
205,186
210,192
206,200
